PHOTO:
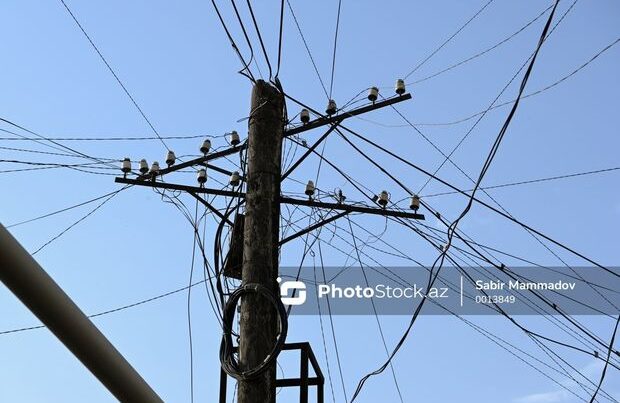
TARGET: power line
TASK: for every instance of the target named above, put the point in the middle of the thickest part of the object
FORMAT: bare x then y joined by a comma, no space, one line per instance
55,145
245,68
452,228
448,40
108,198
260,37
611,346
61,210
530,59
280,38
303,38
483,52
527,182
331,82
113,310
127,138
113,73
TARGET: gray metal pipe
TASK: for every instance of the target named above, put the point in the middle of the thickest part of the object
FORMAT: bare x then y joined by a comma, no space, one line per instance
40,293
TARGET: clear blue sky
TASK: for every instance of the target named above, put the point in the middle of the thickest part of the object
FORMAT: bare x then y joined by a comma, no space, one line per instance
176,61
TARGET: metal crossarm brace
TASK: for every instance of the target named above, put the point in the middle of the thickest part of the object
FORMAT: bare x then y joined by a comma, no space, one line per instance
322,121
313,227
211,208
349,208
352,208
310,150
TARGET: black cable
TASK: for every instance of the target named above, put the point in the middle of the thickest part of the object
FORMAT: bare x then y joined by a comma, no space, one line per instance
502,131
114,310
245,68
611,346
422,170
260,38
280,37
227,359
331,321
126,138
61,210
318,305
374,308
79,220
481,202
55,145
331,83
530,181
437,246
303,38
189,313
245,33
483,52
500,105
447,40
531,60
113,73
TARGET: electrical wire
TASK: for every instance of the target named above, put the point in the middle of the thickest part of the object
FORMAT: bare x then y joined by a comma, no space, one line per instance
260,38
530,181
113,310
331,82
420,64
146,119
122,138
531,60
189,312
246,67
280,38
107,199
483,52
303,38
611,345
61,210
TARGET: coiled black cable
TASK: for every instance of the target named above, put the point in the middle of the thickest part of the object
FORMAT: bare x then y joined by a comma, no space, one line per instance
229,363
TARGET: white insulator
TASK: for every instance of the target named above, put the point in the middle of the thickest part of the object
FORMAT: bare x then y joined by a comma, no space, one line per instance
310,188
234,138
202,176
373,94
155,168
206,146
400,86
415,202
144,166
331,107
235,179
126,167
384,198
304,116
170,158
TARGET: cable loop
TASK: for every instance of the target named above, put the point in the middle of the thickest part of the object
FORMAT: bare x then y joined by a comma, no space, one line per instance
229,363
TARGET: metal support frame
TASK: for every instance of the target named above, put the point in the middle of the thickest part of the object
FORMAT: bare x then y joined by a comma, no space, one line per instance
211,208
307,359
286,200
309,150
313,227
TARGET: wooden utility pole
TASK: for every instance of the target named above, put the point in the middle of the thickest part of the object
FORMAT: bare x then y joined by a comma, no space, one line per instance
258,320
260,238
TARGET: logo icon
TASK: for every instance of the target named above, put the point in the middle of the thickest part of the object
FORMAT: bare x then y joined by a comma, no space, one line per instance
292,286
